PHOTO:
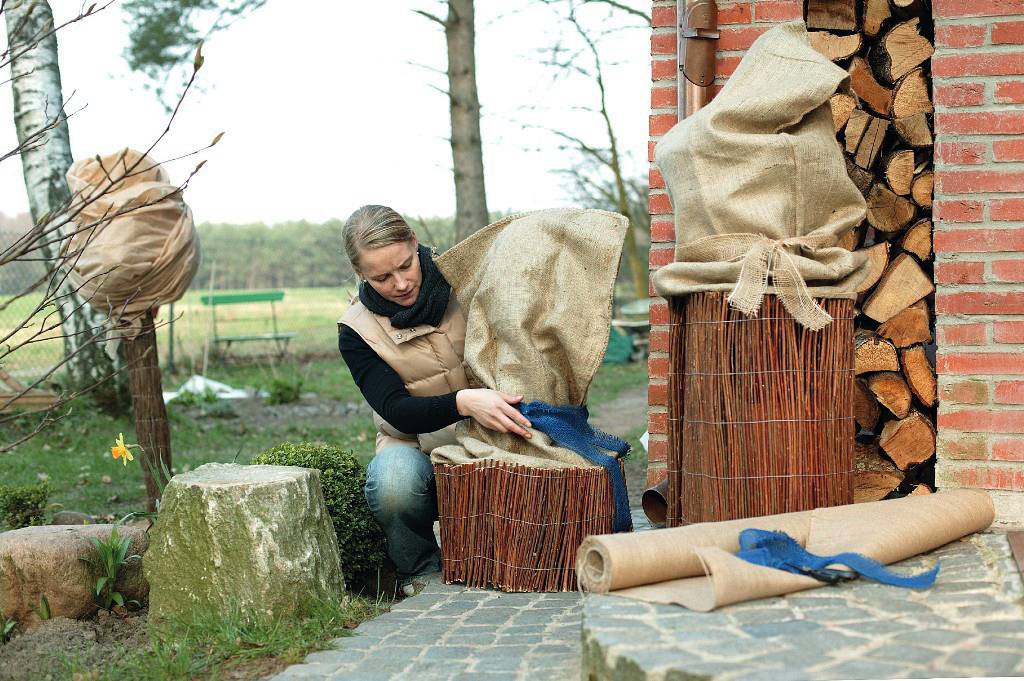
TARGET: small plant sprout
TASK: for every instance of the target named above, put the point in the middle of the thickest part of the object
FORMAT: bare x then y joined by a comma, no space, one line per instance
113,555
44,608
6,627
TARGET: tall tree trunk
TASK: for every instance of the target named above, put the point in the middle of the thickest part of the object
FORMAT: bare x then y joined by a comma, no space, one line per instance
38,102
467,155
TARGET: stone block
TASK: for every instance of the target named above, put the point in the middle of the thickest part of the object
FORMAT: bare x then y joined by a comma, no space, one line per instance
253,537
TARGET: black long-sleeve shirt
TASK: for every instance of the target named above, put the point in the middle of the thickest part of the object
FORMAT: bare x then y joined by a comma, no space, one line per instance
386,393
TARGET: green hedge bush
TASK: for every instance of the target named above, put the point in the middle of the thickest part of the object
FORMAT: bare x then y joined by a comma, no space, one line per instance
342,477
23,505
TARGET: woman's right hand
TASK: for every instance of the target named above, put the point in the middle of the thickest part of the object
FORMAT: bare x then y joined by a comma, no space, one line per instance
493,409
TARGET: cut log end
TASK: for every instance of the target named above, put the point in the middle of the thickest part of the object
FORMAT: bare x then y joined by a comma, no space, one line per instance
892,392
887,211
908,441
912,325
918,240
874,476
911,96
914,130
922,188
870,91
842,106
902,285
836,47
899,171
865,406
900,51
875,14
920,375
878,256
832,15
874,354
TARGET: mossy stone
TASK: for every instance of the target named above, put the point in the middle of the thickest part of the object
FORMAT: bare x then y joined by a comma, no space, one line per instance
257,538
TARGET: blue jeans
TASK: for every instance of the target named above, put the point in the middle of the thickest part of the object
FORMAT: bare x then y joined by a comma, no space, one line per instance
401,495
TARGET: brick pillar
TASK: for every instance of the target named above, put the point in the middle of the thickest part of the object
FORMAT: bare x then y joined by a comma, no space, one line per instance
978,80
740,23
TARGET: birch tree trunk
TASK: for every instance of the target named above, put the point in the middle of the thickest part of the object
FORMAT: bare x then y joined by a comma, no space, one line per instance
467,154
38,103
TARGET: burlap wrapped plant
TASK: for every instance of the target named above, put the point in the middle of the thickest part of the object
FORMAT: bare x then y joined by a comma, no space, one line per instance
759,186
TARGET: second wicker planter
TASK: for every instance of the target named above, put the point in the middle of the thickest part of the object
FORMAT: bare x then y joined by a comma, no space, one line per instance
760,410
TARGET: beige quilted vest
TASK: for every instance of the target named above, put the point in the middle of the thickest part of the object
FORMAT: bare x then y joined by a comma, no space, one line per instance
427,358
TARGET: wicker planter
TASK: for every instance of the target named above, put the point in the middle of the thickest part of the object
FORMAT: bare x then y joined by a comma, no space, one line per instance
517,528
760,410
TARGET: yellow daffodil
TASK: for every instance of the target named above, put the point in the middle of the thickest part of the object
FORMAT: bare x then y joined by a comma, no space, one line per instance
120,450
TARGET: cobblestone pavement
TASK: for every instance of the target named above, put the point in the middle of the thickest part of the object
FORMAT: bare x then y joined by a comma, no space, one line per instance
449,633
970,624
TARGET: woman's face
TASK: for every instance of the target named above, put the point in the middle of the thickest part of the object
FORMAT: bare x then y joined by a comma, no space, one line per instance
393,271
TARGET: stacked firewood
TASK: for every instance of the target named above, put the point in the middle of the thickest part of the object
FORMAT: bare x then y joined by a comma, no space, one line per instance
882,121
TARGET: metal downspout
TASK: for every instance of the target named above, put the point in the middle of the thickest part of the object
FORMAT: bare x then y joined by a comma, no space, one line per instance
697,41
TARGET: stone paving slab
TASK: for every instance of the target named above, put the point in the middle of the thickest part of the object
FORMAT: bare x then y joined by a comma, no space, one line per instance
450,633
970,624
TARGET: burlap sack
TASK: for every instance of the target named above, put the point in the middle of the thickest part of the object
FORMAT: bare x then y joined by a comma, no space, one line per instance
136,245
759,186
536,290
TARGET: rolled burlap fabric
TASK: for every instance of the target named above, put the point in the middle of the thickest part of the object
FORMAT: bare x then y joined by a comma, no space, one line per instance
759,188
135,246
536,289
695,565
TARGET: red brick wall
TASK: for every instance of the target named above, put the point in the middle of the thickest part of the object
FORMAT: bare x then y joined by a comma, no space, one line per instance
978,80
740,23
978,71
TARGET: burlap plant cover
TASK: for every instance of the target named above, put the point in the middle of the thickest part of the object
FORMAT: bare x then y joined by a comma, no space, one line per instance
759,187
135,245
536,290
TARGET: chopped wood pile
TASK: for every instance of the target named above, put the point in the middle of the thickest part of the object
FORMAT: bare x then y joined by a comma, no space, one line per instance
883,123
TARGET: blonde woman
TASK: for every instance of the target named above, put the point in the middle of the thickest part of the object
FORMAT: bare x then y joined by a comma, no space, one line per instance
402,341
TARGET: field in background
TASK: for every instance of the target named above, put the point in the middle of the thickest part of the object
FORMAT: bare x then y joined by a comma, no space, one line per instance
311,313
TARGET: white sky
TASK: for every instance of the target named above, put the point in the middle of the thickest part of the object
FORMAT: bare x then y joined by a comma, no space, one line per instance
324,109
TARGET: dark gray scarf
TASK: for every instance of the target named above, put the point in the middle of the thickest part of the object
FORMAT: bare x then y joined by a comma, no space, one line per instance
430,304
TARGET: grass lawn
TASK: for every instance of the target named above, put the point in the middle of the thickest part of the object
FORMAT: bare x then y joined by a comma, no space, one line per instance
74,454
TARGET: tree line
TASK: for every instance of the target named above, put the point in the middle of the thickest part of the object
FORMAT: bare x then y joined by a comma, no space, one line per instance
294,254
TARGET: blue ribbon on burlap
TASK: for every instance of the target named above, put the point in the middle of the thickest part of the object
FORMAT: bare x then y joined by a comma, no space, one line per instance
781,551
567,427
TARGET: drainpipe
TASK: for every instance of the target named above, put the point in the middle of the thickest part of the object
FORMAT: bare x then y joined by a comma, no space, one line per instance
697,34
698,40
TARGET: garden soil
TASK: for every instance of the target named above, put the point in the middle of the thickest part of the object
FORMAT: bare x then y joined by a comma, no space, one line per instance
42,653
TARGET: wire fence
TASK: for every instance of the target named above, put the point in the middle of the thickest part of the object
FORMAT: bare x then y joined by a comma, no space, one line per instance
304,320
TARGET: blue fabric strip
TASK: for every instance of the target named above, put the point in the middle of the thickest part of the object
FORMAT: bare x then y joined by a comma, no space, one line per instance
567,427
781,551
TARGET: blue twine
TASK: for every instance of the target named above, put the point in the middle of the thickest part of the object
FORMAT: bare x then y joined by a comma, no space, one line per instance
567,427
779,550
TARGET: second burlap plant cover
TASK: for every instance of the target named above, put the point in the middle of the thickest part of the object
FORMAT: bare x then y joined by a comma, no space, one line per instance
536,290
135,245
759,187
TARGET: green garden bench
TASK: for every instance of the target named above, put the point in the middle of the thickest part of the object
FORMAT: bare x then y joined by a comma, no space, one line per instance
279,338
